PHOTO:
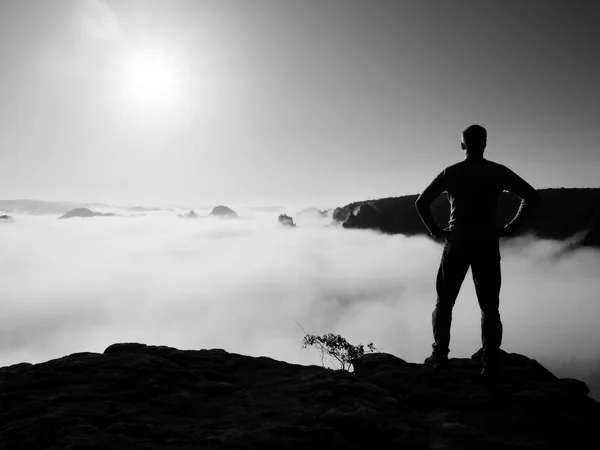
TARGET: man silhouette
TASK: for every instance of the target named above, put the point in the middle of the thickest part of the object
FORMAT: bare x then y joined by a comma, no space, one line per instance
473,187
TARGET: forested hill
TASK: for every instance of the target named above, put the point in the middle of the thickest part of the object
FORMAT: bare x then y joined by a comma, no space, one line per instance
564,213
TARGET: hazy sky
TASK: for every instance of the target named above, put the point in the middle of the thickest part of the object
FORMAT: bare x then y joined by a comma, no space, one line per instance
316,102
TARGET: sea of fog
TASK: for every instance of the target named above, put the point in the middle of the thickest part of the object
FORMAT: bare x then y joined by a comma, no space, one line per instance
246,285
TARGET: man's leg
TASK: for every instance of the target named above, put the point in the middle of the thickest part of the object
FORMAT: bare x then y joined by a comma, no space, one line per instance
453,268
485,265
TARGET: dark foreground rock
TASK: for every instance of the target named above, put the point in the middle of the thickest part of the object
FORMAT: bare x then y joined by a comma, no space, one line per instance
135,396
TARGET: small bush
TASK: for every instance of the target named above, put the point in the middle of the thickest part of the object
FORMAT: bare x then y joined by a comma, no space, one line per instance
336,346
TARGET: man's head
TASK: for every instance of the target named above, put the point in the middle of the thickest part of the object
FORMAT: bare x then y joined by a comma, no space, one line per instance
474,139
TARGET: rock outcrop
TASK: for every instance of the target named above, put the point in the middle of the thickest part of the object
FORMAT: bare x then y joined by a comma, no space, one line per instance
592,235
5,217
189,215
286,220
83,212
223,212
313,212
134,396
563,214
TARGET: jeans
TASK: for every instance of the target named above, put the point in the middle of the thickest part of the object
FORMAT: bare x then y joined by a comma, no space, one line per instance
483,256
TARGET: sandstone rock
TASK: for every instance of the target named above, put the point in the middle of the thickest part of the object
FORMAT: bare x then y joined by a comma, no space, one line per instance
223,212
364,216
286,220
135,396
83,212
189,215
592,237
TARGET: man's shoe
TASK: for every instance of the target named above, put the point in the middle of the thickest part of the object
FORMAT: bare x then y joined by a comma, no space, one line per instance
436,361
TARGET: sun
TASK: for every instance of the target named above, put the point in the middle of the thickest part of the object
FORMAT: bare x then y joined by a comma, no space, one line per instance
151,79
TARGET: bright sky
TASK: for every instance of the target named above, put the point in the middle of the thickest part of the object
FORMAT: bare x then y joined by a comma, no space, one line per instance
313,102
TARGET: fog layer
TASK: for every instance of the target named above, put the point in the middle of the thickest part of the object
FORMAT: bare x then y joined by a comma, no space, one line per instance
241,285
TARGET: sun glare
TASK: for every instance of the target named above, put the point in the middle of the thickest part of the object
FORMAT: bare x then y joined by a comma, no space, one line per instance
151,79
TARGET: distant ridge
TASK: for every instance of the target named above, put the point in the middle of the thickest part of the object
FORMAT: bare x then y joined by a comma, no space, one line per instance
564,213
42,207
37,207
83,212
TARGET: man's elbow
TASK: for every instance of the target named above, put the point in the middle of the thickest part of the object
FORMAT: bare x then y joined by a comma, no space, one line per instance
420,204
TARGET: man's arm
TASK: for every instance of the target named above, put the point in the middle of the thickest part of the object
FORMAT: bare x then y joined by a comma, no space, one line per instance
530,201
423,204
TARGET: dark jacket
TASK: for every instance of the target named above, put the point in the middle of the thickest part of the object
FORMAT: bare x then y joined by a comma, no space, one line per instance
473,187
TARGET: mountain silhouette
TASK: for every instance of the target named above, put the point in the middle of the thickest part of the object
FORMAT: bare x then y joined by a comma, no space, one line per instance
189,215
286,220
564,213
37,207
223,212
83,212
